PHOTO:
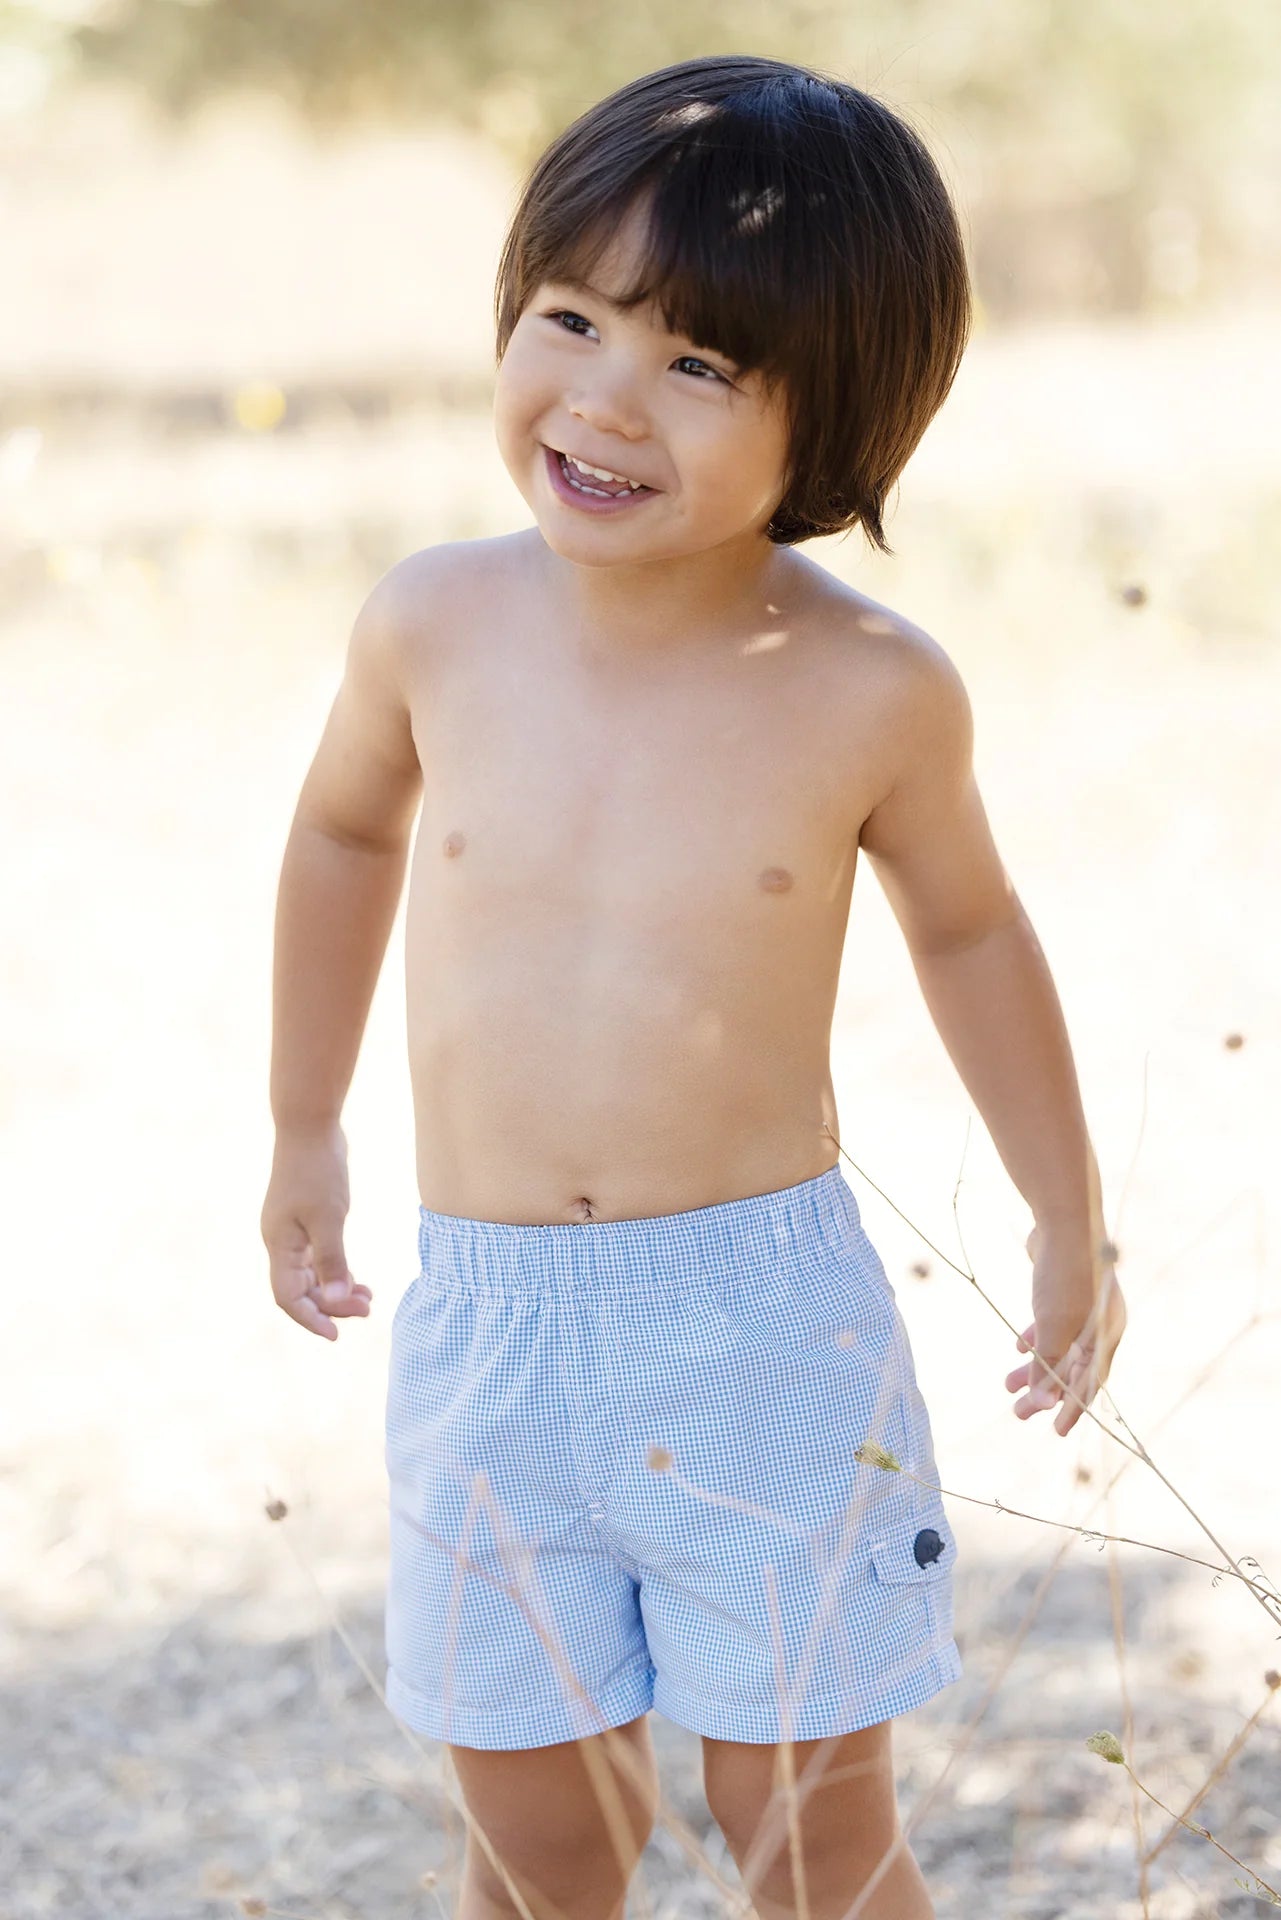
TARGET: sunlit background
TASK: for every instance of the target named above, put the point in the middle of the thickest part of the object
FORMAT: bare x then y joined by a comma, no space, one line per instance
246,355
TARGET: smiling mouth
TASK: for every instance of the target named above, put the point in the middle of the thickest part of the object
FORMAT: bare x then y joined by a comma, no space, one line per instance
582,482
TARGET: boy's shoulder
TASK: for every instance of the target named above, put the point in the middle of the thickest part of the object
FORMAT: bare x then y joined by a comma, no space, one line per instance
892,692
874,650
890,670
459,577
431,598
418,585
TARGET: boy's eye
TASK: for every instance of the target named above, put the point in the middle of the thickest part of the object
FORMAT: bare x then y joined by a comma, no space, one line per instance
702,363
564,313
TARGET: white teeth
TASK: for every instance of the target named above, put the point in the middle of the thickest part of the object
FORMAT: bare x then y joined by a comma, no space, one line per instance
601,473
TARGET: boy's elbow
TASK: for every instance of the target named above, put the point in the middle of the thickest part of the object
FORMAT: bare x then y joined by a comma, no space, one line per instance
384,827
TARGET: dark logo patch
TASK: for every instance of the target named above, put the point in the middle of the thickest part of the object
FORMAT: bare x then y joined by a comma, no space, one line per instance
927,1546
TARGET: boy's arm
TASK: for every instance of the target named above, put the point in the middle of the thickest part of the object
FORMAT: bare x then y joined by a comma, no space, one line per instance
988,989
340,884
343,869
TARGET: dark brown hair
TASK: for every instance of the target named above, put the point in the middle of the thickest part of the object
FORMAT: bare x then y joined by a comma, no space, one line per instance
796,225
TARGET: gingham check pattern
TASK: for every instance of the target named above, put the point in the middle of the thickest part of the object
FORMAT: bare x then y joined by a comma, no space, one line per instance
622,1472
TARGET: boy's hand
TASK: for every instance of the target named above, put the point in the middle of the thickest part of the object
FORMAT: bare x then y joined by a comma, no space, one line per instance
1080,1317
302,1222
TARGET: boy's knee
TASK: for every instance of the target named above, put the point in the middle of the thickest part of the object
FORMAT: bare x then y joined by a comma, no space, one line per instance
568,1822
548,1876
834,1798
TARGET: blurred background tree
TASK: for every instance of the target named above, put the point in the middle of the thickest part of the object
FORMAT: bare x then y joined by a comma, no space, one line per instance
1112,155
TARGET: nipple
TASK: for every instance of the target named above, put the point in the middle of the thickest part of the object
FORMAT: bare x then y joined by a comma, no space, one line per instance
453,844
775,880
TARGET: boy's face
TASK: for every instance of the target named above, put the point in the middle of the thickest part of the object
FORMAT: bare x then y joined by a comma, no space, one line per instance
620,392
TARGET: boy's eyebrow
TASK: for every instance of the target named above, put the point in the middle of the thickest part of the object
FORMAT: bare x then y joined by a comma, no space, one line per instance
585,286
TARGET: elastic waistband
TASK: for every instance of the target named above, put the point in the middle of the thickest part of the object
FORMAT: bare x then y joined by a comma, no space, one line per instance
663,1251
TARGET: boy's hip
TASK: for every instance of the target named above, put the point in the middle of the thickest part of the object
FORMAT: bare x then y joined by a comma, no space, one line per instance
654,1256
666,1370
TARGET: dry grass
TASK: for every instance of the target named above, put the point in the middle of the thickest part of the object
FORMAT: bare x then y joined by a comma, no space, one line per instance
183,1723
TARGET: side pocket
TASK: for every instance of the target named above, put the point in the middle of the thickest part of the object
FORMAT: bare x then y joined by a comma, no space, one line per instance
920,1595
895,1556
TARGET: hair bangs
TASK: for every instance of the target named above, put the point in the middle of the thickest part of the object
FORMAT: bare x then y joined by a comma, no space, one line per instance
712,260
787,221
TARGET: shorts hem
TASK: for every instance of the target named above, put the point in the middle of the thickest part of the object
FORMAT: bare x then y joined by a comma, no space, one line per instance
813,1719
497,1732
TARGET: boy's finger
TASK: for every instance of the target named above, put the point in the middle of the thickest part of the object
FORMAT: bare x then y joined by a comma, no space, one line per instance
1084,1386
337,1301
1083,1378
1037,1401
308,1314
1040,1380
291,1279
1042,1392
330,1263
356,1298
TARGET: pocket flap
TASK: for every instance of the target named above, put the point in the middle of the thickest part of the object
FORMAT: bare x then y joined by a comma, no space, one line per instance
895,1557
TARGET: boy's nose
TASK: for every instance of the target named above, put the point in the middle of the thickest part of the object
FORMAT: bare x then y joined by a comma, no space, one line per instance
613,407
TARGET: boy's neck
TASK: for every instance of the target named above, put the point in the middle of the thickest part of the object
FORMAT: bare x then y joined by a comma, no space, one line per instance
660,605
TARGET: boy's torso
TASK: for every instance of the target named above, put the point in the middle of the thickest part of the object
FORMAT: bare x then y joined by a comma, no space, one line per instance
629,893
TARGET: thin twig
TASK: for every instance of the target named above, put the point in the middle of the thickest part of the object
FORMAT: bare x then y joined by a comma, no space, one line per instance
1110,1747
1220,1767
1138,1449
1127,1709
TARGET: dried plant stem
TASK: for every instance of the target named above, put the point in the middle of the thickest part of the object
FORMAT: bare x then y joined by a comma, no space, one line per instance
1265,1600
1205,1834
794,1790
1118,1640
1095,1537
1220,1767
681,1832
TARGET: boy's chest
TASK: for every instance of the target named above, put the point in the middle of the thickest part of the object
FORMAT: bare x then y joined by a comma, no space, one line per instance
699,798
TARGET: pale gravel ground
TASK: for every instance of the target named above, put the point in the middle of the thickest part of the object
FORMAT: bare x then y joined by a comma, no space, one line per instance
181,1719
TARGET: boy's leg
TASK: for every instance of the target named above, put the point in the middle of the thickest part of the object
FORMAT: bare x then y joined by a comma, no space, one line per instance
569,1822
845,1818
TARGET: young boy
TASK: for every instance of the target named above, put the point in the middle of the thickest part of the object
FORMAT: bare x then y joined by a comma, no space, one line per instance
650,1388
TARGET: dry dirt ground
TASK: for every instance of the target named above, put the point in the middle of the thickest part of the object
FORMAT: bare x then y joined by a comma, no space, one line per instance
189,1709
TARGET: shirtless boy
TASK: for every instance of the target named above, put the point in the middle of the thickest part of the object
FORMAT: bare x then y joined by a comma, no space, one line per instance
650,1388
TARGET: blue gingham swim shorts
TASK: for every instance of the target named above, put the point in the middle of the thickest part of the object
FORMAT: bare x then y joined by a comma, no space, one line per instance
625,1472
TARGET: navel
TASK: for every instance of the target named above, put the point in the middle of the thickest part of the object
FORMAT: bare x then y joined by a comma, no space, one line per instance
774,879
453,844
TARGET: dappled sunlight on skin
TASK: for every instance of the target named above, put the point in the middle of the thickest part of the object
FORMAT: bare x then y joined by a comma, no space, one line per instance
770,641
767,642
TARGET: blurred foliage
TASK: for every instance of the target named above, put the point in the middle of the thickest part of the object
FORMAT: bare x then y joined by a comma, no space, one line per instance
1152,123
